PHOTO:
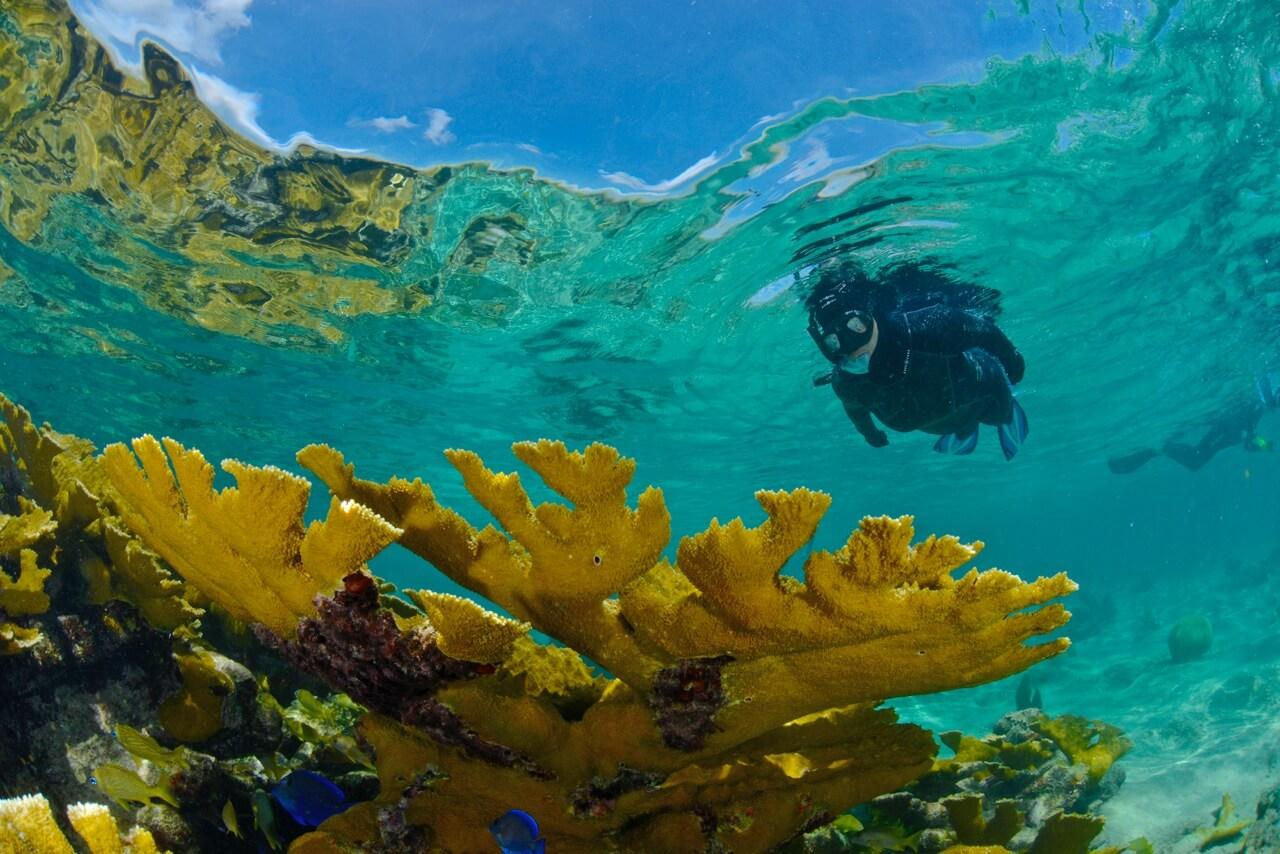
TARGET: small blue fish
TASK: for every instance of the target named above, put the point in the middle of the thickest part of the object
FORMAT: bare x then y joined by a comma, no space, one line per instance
308,797
517,833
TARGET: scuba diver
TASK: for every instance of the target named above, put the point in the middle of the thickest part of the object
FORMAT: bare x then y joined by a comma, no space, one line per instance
1234,425
919,351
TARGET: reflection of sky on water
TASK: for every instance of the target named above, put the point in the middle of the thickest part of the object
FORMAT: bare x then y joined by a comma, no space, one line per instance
838,153
625,94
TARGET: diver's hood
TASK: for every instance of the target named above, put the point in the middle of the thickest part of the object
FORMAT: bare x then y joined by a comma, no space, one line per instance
838,329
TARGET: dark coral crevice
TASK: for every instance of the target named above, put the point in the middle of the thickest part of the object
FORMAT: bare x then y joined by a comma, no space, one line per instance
600,796
356,647
685,699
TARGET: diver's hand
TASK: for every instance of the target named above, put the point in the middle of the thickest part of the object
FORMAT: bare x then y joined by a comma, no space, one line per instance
877,439
861,419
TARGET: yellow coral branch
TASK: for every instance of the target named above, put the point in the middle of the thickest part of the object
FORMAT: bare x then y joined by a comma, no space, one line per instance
26,595
244,546
560,571
26,529
27,825
14,638
431,531
474,634
762,792
587,553
58,467
136,575
62,474
99,831
737,568
878,618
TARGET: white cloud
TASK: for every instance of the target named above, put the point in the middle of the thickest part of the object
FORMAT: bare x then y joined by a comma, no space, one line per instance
237,107
240,110
383,124
192,27
529,147
633,183
437,132
302,137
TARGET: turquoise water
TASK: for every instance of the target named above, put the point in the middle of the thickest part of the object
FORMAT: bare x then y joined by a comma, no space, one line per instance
1125,199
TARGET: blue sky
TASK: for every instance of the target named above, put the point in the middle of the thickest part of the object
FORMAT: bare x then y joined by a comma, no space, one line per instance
640,96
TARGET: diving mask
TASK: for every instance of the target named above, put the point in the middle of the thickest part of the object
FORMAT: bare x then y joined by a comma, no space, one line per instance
839,331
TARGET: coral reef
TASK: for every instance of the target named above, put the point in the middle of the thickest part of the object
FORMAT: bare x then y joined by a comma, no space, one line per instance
1014,790
1093,744
739,709
90,641
710,702
357,645
117,646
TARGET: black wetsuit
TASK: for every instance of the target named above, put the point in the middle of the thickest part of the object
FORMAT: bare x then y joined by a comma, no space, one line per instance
1235,425
938,369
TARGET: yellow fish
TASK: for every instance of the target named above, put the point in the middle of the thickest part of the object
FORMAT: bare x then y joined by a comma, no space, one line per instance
885,840
145,747
347,747
230,820
124,786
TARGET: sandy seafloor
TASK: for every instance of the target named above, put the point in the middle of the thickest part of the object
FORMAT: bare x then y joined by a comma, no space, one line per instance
1200,729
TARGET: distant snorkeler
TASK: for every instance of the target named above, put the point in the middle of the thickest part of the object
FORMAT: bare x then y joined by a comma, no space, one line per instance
1235,425
919,350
